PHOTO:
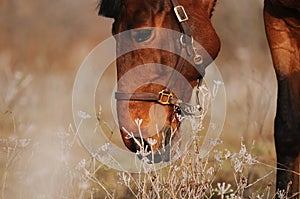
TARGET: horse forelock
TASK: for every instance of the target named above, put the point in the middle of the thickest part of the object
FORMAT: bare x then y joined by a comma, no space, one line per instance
109,8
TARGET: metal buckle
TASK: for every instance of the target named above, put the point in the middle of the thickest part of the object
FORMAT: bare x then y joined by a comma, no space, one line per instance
164,97
180,13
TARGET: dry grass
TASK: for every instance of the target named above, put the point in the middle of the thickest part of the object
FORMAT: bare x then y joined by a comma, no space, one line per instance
43,166
42,45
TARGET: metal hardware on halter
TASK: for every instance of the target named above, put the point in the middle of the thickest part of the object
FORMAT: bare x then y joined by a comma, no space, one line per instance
165,97
181,41
185,39
198,59
180,13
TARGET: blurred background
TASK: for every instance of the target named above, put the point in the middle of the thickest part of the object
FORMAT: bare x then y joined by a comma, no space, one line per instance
42,45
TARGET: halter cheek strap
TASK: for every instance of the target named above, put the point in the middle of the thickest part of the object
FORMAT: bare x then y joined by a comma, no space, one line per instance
182,18
166,97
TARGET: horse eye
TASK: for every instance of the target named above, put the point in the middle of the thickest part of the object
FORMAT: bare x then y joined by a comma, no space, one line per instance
142,35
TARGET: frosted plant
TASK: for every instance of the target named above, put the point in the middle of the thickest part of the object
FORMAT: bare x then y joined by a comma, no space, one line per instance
210,172
215,142
222,189
233,196
218,156
216,87
151,141
18,83
242,159
84,115
105,146
87,170
81,164
281,194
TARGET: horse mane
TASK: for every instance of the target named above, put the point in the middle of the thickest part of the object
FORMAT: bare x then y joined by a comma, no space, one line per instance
213,7
109,8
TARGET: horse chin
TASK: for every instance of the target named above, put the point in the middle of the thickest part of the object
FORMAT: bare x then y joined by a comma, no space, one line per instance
154,149
160,151
163,155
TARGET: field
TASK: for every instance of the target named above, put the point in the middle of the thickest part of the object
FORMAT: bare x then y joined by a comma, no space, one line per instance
42,45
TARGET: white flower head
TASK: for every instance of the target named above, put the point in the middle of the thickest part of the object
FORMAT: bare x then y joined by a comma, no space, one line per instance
105,147
84,115
281,194
138,121
151,141
81,164
222,188
210,171
227,154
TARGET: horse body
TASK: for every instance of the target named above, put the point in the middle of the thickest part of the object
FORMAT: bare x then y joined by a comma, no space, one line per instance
282,21
283,32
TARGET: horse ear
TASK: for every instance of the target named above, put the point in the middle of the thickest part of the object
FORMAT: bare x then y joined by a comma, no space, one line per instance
209,5
109,8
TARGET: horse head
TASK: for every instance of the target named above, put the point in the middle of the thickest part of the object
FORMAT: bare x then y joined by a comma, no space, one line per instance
148,93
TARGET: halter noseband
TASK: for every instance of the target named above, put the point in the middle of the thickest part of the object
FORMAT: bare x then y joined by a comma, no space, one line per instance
166,97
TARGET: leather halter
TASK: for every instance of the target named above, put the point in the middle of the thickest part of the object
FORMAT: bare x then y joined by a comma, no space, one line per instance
166,97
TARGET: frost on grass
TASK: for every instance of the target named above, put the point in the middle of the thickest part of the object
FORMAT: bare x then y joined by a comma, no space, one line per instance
223,189
83,115
14,128
242,159
189,177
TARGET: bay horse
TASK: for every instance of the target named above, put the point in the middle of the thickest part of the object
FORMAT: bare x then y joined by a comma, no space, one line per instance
154,103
